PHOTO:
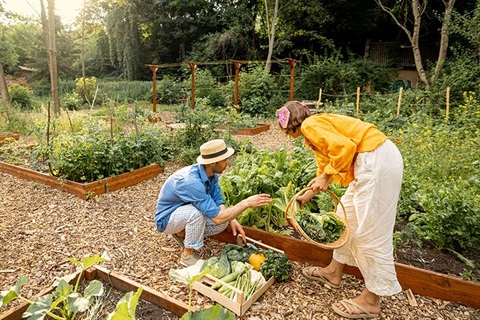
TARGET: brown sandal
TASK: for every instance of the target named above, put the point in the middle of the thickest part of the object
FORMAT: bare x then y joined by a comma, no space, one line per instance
308,272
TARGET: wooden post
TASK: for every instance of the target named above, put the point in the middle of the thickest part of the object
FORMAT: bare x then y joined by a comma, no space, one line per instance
447,111
399,100
319,98
154,89
193,67
237,64
292,63
358,101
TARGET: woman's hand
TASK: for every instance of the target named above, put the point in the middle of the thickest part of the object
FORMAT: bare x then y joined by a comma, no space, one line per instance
320,183
237,229
304,198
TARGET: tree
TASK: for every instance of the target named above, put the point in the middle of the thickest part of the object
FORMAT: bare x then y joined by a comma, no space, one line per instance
467,25
7,57
414,9
271,23
50,43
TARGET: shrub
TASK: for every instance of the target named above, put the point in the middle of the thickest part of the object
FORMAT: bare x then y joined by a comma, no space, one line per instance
86,90
94,154
206,87
256,89
21,96
170,91
72,101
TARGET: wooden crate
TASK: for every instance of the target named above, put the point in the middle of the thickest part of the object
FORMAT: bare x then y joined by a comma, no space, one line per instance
238,306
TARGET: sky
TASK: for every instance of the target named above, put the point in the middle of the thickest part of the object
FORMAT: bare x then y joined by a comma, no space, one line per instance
66,9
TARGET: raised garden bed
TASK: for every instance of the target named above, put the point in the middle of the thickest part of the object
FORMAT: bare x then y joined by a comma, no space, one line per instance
166,305
89,189
261,127
240,131
6,137
419,281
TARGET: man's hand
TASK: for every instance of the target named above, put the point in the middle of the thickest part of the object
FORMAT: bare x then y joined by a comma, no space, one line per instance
237,229
258,200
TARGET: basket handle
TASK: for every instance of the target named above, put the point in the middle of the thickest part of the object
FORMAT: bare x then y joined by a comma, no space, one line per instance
335,198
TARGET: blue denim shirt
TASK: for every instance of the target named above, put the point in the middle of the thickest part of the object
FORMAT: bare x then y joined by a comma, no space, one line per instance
189,185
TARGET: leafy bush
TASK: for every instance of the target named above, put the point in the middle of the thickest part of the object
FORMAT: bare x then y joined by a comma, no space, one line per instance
206,87
21,96
199,126
170,91
256,89
126,91
72,101
86,90
94,154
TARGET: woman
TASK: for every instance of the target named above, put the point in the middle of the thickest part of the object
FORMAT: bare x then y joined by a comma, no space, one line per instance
355,154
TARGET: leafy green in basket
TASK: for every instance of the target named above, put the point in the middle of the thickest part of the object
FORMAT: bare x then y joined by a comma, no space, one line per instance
320,227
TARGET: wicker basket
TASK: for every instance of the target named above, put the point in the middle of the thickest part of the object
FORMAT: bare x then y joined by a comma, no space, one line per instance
290,217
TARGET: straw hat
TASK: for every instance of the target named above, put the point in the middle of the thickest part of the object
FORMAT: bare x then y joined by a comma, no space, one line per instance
213,151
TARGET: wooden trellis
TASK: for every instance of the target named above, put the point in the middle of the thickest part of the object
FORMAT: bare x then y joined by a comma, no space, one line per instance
237,64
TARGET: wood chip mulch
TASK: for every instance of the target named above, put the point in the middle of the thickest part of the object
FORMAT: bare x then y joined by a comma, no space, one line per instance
40,227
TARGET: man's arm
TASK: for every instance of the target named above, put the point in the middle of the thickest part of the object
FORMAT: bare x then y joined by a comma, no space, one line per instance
228,214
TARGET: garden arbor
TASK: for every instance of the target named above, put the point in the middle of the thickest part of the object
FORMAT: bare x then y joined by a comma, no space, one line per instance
237,64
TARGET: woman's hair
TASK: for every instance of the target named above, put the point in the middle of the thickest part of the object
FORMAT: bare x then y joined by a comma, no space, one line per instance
298,113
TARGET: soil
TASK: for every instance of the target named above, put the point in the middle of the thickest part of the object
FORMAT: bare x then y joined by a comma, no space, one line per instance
40,227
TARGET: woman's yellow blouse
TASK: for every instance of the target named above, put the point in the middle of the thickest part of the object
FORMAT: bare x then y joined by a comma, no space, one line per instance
335,139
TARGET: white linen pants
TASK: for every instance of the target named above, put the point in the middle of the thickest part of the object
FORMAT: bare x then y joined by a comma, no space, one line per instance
196,226
371,204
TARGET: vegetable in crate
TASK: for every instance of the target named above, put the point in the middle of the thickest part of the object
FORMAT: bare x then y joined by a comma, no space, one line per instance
276,265
219,266
320,227
239,253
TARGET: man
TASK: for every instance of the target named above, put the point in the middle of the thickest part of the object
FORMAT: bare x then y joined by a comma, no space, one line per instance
191,201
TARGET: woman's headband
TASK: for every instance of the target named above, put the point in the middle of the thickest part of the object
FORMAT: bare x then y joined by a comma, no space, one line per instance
283,114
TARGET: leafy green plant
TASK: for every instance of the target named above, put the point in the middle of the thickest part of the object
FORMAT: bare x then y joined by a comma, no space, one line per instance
66,301
170,91
94,153
267,172
21,96
86,90
199,126
256,90
188,276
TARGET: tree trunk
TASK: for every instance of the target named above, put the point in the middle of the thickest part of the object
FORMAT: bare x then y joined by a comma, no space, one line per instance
53,56
417,55
84,79
442,55
4,90
271,33
413,36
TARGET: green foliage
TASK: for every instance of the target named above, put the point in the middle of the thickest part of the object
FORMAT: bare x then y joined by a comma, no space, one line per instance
126,91
199,126
21,96
66,302
72,101
93,153
214,312
276,265
256,89
441,183
170,91
86,90
206,87
269,172
320,227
